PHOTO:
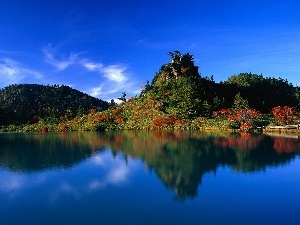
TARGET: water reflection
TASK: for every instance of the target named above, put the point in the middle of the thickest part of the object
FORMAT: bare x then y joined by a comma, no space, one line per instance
98,172
32,152
179,159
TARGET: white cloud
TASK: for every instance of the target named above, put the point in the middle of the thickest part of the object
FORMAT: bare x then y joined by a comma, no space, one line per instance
59,64
96,91
12,72
90,66
9,71
115,73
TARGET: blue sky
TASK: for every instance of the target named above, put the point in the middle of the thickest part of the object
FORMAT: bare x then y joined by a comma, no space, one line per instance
105,48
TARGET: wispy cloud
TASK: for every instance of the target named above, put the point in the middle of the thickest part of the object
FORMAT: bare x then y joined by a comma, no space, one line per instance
115,73
12,72
91,66
96,91
60,64
115,80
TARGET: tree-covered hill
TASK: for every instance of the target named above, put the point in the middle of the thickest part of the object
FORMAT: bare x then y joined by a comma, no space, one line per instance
183,91
25,103
262,93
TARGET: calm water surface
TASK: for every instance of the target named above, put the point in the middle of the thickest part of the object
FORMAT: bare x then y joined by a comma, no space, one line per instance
149,178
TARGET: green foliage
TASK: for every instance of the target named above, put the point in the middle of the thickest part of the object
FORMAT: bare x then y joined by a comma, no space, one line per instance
177,85
244,80
239,102
262,93
31,102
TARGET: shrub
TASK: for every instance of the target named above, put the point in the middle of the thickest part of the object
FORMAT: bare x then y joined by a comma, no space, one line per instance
222,113
164,121
44,129
118,120
64,127
243,118
285,115
101,117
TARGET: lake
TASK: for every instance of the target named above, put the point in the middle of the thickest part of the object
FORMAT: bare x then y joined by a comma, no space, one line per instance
140,177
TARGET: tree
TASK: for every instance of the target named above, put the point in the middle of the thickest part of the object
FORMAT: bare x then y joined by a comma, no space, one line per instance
123,97
239,102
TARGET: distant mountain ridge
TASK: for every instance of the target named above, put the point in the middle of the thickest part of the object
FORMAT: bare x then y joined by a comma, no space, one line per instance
25,103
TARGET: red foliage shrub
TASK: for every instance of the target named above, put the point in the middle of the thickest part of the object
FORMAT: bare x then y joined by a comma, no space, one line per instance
118,120
101,118
164,121
245,126
115,111
75,121
222,113
178,122
130,99
285,114
64,127
244,115
44,129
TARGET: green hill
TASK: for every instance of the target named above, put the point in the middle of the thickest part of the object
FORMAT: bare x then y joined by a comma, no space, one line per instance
27,103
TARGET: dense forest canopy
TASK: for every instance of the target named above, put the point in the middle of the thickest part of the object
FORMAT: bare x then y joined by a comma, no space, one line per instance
29,102
263,93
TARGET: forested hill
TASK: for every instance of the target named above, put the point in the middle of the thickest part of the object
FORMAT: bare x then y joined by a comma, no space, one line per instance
183,92
29,102
262,93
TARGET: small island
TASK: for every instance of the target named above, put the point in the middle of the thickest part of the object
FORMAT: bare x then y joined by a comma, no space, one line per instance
178,98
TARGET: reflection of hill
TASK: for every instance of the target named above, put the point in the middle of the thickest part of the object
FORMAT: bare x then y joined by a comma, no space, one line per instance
180,159
30,152
256,152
